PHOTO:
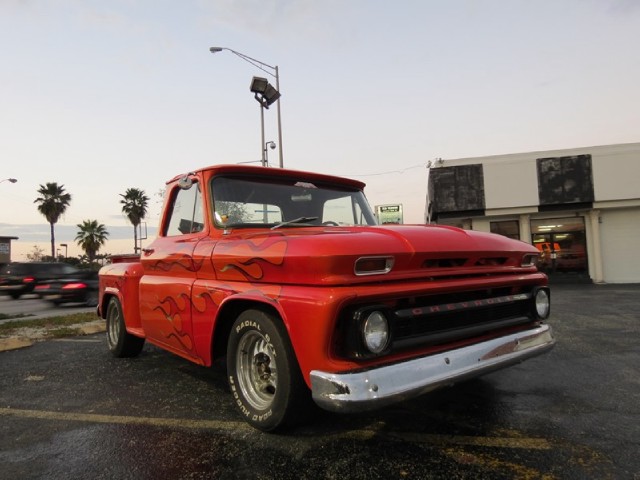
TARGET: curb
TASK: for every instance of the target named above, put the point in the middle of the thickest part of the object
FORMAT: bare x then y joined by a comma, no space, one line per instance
13,343
21,341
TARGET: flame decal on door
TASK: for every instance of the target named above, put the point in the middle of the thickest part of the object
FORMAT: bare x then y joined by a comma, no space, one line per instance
245,260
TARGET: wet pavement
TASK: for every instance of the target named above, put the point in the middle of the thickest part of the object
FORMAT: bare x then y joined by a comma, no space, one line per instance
68,410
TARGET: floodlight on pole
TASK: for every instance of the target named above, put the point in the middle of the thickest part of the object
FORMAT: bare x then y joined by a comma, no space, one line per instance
270,70
265,94
10,180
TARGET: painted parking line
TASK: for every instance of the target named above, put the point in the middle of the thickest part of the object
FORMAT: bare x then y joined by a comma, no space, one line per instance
126,420
471,441
230,426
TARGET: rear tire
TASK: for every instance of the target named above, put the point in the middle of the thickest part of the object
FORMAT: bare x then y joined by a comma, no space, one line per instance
91,298
121,343
263,373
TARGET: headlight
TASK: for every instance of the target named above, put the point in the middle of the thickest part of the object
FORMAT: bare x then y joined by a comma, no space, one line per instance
543,303
375,332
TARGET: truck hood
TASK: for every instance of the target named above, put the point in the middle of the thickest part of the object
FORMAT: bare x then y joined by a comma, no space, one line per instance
340,255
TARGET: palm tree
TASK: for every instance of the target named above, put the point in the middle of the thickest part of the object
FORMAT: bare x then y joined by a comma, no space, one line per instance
134,206
53,201
91,236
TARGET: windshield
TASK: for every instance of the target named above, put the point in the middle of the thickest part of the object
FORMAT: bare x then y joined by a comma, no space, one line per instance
286,202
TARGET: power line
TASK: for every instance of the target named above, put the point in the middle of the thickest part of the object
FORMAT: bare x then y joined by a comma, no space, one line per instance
400,172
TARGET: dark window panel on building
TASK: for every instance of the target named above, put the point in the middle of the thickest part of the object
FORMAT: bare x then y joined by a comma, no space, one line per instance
565,180
508,228
457,189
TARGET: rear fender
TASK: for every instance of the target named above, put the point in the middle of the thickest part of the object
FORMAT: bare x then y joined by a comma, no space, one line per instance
122,281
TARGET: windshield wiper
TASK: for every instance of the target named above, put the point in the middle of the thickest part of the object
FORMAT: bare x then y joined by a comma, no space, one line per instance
294,221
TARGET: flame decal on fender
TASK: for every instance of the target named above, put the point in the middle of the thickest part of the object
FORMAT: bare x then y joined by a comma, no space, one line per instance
175,315
210,300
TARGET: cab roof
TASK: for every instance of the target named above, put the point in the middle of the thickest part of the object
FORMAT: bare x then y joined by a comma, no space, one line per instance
249,170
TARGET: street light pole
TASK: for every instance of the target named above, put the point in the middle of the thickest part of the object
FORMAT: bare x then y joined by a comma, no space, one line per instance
65,249
264,152
274,72
279,120
268,144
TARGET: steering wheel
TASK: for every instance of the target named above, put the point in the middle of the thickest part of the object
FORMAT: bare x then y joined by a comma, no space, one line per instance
330,222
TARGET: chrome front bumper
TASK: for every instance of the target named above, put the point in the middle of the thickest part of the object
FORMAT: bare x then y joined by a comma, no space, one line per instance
376,387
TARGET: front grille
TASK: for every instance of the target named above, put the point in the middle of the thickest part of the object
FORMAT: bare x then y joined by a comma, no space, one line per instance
444,263
439,319
464,317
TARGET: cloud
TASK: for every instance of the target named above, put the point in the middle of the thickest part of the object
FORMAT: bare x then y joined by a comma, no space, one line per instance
265,18
624,7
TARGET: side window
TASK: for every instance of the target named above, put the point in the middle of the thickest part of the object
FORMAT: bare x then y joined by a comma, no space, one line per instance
68,269
343,211
52,270
186,214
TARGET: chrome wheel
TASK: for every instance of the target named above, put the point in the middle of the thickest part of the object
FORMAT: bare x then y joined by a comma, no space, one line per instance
257,369
113,327
264,377
120,342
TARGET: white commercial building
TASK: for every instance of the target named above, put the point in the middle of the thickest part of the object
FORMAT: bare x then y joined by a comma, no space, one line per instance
579,206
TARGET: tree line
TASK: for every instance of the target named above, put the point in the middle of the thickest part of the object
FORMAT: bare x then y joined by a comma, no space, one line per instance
53,201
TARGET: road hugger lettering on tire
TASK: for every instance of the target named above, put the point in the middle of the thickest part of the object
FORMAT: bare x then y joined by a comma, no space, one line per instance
262,370
247,324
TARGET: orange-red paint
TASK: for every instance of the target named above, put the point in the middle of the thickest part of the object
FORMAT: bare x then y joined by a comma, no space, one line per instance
175,294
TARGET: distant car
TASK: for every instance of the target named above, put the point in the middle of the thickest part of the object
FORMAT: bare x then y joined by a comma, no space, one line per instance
79,288
20,278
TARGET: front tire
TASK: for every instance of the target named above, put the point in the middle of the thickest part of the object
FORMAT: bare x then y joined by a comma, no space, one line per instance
121,343
263,372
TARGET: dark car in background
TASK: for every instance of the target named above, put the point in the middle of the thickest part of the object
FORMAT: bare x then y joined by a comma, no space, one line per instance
21,278
79,288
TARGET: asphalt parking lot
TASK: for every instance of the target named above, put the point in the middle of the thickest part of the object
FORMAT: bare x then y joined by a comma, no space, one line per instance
69,410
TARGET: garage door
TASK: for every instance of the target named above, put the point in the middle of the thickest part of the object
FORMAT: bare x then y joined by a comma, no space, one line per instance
621,245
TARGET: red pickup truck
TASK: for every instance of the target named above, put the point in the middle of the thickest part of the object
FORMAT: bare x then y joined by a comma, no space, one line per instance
287,276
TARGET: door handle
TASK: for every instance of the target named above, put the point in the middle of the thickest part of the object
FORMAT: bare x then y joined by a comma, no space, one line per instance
148,251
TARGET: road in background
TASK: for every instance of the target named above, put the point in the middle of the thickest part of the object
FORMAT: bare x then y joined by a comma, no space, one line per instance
30,306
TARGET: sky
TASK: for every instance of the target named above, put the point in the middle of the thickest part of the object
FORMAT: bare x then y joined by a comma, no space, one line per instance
104,96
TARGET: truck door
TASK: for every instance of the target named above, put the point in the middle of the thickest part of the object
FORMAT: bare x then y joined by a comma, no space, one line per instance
170,271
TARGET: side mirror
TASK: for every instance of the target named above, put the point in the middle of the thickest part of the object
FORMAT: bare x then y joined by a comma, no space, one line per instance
185,183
